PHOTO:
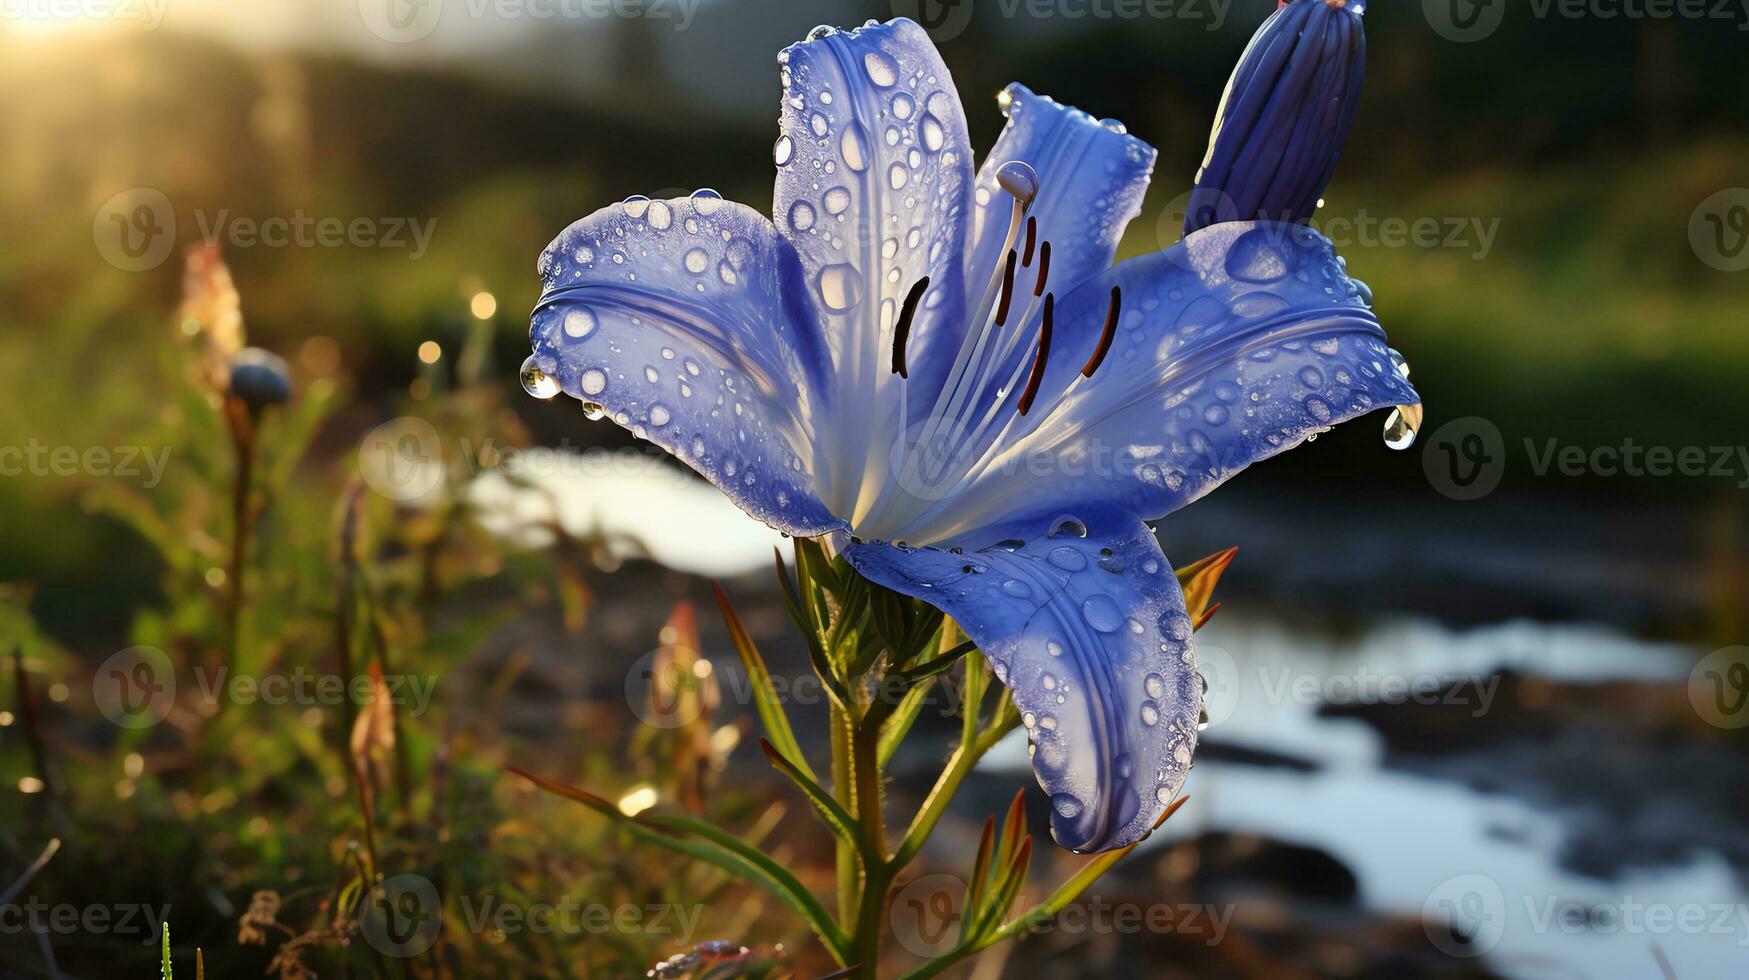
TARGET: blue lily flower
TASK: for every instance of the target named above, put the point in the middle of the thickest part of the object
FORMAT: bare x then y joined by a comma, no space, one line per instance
944,372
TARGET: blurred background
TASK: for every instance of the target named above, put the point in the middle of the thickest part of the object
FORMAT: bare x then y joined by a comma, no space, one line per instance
1476,709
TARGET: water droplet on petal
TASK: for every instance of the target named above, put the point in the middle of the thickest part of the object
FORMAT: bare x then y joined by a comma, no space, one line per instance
697,260
705,201
840,286
1066,805
932,132
593,382
1068,527
636,205
661,215
536,381
822,31
594,412
1399,362
1102,613
881,69
579,323
782,151
659,415
853,146
1401,426
836,199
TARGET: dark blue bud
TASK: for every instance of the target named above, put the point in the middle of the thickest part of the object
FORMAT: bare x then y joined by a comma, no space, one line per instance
260,378
1284,117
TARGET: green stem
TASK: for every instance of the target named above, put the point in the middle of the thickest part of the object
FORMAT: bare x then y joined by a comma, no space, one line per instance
843,731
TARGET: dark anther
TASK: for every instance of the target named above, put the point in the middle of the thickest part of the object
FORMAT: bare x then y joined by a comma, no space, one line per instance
1105,335
1039,361
1007,290
1031,234
903,330
1044,268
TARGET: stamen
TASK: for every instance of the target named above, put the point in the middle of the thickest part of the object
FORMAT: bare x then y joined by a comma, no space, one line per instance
1039,360
1031,233
1044,268
1007,290
1106,335
903,330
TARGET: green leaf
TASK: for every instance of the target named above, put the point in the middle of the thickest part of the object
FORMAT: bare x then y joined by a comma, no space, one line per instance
904,716
716,847
165,974
765,696
831,811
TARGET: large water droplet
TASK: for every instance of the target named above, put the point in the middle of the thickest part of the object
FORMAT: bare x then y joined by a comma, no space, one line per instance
705,201
840,286
1067,806
881,69
822,31
593,411
853,146
537,382
593,382
836,200
579,323
1102,613
659,415
636,205
697,260
932,131
661,215
1401,426
1255,258
1399,362
782,151
1068,527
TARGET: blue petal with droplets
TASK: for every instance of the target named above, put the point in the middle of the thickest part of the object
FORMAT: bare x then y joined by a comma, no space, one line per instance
1233,345
1091,178
1082,617
686,321
873,188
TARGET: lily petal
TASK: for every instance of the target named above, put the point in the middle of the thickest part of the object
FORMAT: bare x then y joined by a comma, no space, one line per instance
1235,344
686,322
1091,178
873,188
1081,616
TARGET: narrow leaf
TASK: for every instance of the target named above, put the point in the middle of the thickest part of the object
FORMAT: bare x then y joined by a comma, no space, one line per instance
834,814
765,697
717,847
